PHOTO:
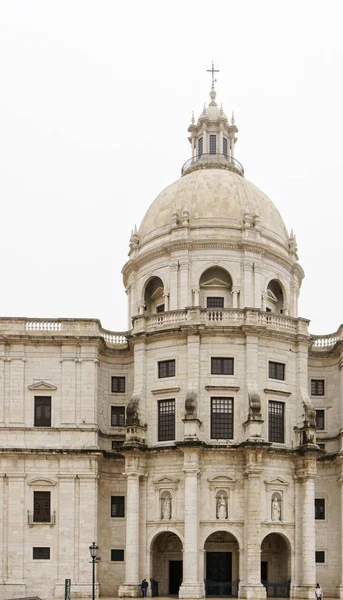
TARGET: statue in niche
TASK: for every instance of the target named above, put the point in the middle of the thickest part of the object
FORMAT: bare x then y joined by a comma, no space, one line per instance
254,406
221,508
166,508
276,509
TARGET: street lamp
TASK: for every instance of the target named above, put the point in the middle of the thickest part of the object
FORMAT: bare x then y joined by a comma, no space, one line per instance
93,549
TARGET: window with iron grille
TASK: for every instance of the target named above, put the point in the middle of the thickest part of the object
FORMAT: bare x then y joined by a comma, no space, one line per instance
221,418
320,556
166,368
276,422
117,555
41,507
42,416
320,419
118,384
117,416
319,509
215,302
317,387
166,420
276,370
160,308
225,146
213,144
42,553
200,146
117,506
222,366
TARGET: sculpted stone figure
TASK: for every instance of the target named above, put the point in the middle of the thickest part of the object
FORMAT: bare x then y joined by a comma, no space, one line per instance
166,508
276,509
132,411
221,508
191,405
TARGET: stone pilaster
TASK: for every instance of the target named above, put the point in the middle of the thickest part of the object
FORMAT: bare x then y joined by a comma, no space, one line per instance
247,300
131,587
191,586
305,583
251,587
173,281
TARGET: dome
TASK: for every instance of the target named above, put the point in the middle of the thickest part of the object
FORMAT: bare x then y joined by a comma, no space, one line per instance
216,198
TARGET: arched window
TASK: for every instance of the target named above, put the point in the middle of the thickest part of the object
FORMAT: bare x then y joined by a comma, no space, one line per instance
154,296
215,288
275,299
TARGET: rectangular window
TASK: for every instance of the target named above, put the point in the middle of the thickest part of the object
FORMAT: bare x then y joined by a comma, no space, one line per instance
222,418
321,446
117,444
213,144
166,420
166,368
215,302
160,308
320,556
117,506
200,146
222,366
320,419
225,146
118,384
319,509
117,416
42,411
117,555
276,370
317,387
41,553
276,422
41,507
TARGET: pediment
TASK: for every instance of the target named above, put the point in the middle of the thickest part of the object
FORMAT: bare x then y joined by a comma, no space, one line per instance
42,386
215,283
41,481
222,481
166,482
271,296
158,293
276,482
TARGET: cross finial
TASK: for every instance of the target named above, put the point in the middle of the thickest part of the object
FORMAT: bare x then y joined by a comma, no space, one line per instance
213,71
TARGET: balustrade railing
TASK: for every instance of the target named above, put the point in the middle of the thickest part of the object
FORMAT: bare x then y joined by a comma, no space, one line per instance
209,160
325,342
49,518
277,321
41,325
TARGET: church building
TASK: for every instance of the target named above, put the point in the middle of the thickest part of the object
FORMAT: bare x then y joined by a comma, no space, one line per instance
200,449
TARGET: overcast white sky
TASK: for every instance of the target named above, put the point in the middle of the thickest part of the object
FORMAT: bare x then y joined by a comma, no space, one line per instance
96,97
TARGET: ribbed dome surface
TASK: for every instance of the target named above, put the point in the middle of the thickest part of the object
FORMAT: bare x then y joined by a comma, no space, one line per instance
213,197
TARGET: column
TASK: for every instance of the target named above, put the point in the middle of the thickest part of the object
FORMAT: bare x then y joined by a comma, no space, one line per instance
252,587
340,587
247,301
184,291
191,586
173,277
234,293
131,587
306,583
196,297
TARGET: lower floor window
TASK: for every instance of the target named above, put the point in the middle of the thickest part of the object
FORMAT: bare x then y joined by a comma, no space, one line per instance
320,556
221,418
117,555
41,553
276,422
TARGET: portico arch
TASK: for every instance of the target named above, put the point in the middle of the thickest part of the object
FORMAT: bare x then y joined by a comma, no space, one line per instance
276,565
153,295
221,566
166,551
275,299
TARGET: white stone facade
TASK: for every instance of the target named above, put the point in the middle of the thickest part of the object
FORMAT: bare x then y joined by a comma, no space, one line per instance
215,464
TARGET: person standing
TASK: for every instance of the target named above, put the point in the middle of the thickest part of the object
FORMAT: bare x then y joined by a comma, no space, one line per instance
144,588
319,592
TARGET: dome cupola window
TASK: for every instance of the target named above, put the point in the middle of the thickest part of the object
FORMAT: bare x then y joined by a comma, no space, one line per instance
154,296
275,299
225,146
215,288
213,144
200,146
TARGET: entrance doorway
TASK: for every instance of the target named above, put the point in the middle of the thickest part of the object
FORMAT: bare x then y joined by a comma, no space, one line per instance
221,565
175,576
166,564
275,566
